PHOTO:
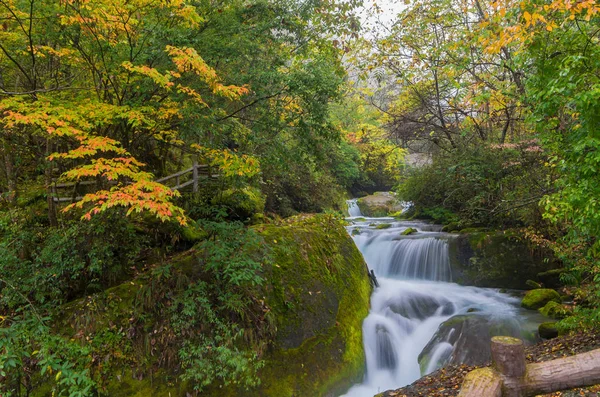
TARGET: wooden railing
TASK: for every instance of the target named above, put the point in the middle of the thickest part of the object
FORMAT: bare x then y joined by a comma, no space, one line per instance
179,180
510,376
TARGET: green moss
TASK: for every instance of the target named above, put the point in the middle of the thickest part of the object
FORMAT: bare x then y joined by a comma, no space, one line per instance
317,292
533,284
320,294
548,330
496,259
538,298
383,226
242,204
409,231
193,233
555,310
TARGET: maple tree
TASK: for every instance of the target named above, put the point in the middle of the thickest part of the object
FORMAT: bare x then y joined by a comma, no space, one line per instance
87,85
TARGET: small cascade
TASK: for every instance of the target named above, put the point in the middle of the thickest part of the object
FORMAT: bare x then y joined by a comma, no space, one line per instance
419,320
353,209
408,258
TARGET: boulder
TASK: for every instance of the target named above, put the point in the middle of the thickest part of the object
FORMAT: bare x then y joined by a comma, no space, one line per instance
409,231
497,260
548,330
469,335
538,298
379,204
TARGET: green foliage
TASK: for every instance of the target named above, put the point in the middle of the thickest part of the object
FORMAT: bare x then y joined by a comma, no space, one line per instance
222,307
31,356
52,266
490,185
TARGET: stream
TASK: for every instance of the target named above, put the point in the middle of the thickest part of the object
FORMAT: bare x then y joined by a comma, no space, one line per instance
419,320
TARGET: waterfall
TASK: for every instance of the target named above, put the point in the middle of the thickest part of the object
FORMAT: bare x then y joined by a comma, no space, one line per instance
419,320
353,209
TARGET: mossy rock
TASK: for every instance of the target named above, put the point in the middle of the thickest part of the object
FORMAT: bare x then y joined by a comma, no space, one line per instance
548,330
554,310
538,298
451,227
355,232
193,233
378,204
496,260
551,278
409,231
317,291
533,285
383,226
242,204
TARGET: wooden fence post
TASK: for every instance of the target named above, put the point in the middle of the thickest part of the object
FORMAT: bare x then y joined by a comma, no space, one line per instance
195,176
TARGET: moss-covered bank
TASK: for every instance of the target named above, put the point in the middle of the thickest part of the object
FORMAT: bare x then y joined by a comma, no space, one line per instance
319,292
497,259
316,294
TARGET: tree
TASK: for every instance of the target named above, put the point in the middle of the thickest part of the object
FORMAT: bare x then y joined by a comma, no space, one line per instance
102,84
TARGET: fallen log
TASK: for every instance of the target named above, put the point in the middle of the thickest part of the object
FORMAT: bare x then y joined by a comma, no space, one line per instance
514,378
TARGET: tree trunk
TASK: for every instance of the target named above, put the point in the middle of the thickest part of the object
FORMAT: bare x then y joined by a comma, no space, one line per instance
482,382
52,219
11,177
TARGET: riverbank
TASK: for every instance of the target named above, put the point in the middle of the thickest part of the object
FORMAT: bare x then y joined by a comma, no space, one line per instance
446,382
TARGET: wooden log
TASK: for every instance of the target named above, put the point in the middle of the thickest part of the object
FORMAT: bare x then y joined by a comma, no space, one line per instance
508,356
517,379
482,382
564,373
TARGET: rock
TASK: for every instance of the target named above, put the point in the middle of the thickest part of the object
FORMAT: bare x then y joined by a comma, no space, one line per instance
548,330
355,232
554,310
383,226
495,260
469,336
379,204
551,278
537,298
533,284
451,227
420,306
242,204
409,231
316,293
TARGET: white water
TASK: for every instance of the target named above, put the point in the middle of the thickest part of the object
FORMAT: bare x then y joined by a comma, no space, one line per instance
415,296
353,209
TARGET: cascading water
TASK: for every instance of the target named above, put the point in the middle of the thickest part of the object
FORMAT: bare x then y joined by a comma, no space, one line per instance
419,320
353,209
